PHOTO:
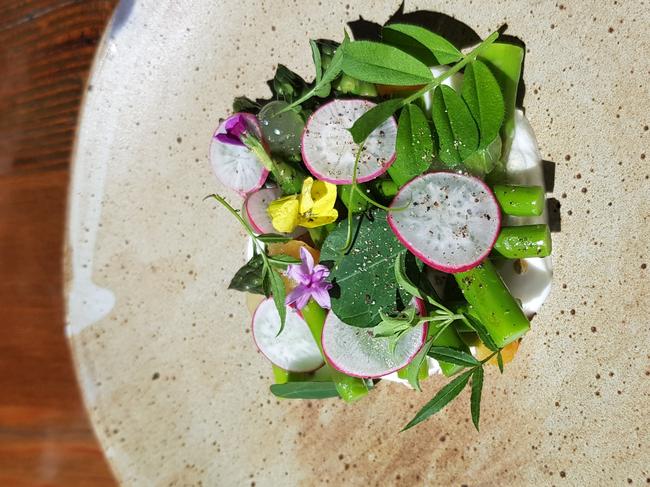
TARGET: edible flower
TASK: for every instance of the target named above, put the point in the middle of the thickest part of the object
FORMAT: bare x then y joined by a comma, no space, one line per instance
236,130
311,282
313,207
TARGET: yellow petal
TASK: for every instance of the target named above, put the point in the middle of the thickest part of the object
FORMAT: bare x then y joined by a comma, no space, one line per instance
306,201
324,196
319,220
284,213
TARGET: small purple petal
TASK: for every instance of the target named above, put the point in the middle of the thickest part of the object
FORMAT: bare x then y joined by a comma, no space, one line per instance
307,260
302,301
295,272
322,297
320,273
228,139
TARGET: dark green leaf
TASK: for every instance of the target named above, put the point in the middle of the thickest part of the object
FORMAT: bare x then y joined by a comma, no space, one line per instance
477,389
483,96
276,284
453,356
443,51
273,238
373,118
380,63
364,278
244,104
286,84
305,390
414,146
457,132
441,399
482,332
500,361
413,368
249,278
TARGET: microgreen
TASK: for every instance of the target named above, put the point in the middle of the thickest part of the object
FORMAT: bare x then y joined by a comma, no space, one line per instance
305,390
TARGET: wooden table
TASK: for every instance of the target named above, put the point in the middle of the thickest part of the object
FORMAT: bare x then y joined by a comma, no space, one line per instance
46,48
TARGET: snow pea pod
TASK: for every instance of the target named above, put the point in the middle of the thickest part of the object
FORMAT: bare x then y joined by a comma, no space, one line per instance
520,200
524,241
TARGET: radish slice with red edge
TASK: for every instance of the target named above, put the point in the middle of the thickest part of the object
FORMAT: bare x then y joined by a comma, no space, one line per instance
355,352
256,206
329,152
451,222
294,349
236,166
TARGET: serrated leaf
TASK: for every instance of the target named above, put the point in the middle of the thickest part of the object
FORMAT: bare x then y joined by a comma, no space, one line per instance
475,401
273,238
249,278
457,133
453,356
305,390
414,146
276,286
483,96
500,361
443,51
381,63
373,118
441,399
482,332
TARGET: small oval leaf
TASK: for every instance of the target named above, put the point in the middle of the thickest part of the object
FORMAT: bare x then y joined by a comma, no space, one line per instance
457,132
483,96
443,51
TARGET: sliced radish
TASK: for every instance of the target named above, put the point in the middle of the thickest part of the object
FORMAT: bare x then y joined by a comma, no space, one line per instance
452,220
294,349
354,351
329,151
235,165
256,206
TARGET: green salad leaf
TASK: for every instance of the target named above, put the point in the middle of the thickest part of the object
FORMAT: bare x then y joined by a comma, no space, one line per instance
364,277
414,146
453,356
414,39
483,96
249,277
457,132
305,390
475,401
373,118
384,64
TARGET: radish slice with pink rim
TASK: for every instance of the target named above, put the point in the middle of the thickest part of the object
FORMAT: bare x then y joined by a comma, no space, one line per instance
236,166
294,349
329,152
355,352
256,206
451,222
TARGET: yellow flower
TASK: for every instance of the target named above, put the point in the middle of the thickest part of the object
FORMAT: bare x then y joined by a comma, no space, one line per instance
313,207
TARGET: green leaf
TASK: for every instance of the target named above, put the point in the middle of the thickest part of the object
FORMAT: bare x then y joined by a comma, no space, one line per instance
500,361
273,238
276,286
244,104
453,356
414,146
413,368
477,389
481,331
282,260
364,278
315,55
443,51
380,63
483,96
482,161
334,68
286,84
305,390
373,118
456,128
441,399
401,276
249,277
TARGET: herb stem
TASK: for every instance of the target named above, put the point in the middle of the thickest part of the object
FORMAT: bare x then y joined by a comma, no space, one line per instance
471,56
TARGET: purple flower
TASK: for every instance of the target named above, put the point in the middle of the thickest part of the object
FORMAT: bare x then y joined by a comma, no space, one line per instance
236,129
311,282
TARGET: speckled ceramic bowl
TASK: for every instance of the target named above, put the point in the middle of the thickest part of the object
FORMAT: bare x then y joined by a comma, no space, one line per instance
176,391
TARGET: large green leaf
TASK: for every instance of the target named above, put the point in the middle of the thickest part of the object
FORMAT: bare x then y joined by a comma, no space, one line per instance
457,132
373,118
483,96
414,146
381,63
305,390
364,277
414,39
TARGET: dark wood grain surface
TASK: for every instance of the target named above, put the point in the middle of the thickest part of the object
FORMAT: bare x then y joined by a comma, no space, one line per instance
46,49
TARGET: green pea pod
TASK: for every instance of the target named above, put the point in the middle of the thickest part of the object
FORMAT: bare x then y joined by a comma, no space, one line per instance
520,200
496,308
524,241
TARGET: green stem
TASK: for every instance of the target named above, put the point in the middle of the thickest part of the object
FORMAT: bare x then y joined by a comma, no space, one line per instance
488,358
471,56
